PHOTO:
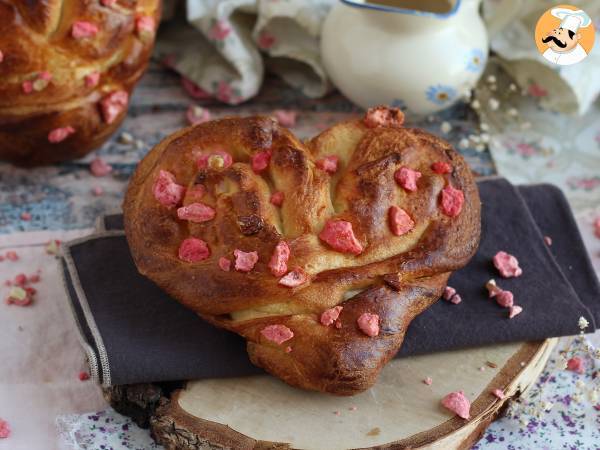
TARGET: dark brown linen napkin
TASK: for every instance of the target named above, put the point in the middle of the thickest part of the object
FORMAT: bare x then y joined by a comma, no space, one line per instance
133,332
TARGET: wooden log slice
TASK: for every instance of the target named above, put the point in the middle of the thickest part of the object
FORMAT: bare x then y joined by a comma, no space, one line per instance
399,412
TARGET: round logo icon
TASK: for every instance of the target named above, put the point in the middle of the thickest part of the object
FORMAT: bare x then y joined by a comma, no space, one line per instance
564,35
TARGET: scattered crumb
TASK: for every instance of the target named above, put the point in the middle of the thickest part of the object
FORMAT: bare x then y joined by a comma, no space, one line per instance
288,349
514,310
52,247
139,144
445,127
4,429
499,393
374,432
522,363
482,369
352,408
12,255
458,403
337,413
475,104
548,240
576,364
26,216
83,376
491,79
126,138
100,168
491,364
464,143
428,381
97,191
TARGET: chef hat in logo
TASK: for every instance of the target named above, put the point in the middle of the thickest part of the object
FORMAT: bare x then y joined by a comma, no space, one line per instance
571,20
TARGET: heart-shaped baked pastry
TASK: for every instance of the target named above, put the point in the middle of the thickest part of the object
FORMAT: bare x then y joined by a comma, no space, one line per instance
319,253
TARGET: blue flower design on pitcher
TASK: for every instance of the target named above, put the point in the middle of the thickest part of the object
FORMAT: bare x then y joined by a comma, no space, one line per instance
440,94
476,60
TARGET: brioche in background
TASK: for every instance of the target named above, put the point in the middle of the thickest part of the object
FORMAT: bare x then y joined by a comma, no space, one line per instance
66,73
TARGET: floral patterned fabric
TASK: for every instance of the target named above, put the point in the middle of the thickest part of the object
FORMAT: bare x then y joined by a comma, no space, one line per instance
224,46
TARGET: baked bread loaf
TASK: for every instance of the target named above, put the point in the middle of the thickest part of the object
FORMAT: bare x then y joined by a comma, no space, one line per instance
319,253
67,69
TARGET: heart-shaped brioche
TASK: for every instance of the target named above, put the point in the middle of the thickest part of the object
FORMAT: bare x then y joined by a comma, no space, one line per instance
67,69
319,253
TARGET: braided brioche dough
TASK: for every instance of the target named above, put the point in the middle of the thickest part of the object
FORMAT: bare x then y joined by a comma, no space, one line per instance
67,69
324,283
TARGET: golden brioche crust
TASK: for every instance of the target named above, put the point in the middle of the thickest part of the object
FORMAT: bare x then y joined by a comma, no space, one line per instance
37,38
395,277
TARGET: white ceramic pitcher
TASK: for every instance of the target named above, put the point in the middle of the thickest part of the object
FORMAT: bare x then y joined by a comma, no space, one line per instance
421,55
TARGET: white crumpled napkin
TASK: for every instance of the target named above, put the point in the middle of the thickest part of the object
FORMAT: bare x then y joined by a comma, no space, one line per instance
223,46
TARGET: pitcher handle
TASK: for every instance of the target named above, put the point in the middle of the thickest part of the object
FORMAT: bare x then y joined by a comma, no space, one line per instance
503,13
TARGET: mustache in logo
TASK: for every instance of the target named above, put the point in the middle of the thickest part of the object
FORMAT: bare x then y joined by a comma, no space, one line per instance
556,41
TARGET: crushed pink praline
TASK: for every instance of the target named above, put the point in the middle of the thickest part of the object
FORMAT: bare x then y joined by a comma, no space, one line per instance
100,168
339,235
294,278
441,167
514,310
244,261
428,381
286,118
197,115
548,240
407,178
399,220
166,191
83,376
279,259
27,86
505,298
4,429
456,299
383,116
277,333
507,265
576,364
82,29
329,316
277,198
499,393
224,264
328,164
113,104
368,324
452,201
458,404
193,250
92,79
449,292
196,212
11,255
597,227
145,25
260,161
60,134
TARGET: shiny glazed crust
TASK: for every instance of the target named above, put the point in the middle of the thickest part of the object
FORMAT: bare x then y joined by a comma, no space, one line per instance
395,277
37,37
